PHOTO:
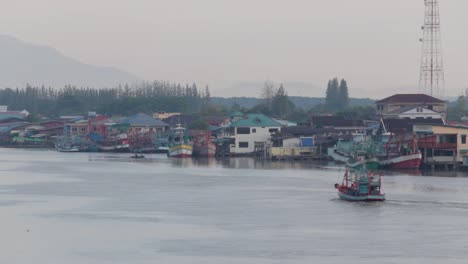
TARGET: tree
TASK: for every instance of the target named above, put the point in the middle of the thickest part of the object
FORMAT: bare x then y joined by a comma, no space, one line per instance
207,95
332,96
235,107
337,95
268,92
199,124
343,96
281,106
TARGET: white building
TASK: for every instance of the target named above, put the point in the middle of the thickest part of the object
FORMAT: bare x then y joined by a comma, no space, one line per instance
251,132
419,112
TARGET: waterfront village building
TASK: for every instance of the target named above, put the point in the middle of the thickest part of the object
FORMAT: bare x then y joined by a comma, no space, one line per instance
251,132
163,115
415,112
142,123
338,123
5,114
77,128
442,144
411,106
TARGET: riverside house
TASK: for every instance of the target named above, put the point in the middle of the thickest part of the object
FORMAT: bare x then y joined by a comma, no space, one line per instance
442,144
411,106
250,133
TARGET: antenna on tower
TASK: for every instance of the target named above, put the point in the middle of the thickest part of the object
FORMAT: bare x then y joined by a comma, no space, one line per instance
431,76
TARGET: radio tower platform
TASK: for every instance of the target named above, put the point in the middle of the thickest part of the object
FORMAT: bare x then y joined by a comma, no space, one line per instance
431,76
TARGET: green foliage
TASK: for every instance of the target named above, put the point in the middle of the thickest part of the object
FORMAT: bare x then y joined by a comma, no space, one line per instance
343,98
281,106
215,110
199,124
337,95
359,112
33,118
331,100
457,109
147,97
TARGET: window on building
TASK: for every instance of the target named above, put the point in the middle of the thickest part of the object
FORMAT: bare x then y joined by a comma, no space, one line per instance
83,129
243,130
273,130
254,130
243,144
463,139
380,107
430,107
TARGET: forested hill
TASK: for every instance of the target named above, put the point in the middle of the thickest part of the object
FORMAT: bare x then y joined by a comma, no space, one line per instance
305,103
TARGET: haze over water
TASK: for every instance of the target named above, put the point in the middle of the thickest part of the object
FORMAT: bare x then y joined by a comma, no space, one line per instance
106,208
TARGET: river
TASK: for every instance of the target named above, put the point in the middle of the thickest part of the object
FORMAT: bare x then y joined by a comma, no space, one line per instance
98,208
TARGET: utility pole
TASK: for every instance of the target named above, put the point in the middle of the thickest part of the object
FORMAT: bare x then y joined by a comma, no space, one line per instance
431,76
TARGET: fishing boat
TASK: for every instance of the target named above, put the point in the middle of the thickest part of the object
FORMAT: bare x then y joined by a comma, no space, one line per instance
399,151
387,151
180,143
161,143
63,148
67,144
202,145
136,156
363,162
119,143
361,185
356,153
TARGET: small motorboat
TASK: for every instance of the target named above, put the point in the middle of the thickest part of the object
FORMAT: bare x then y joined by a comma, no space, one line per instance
136,156
361,185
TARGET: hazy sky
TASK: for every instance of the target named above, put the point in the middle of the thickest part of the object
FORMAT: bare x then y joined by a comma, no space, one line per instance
372,43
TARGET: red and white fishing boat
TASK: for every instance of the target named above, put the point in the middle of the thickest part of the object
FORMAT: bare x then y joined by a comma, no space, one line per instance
399,151
202,145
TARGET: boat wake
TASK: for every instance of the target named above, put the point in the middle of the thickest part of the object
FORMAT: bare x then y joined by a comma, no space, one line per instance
427,203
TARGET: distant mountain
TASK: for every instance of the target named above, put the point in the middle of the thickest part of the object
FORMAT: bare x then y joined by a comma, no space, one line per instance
22,63
300,101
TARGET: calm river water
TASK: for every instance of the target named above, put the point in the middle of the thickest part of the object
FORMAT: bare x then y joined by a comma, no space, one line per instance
58,208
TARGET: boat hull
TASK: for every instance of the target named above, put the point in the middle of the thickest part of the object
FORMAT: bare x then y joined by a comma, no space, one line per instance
371,164
336,156
412,161
68,150
180,151
205,151
361,198
116,148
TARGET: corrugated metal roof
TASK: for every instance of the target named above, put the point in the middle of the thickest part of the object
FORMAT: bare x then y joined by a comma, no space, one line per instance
410,98
8,115
143,120
255,120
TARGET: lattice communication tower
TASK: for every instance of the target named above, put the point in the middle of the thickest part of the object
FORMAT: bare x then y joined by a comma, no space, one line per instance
431,77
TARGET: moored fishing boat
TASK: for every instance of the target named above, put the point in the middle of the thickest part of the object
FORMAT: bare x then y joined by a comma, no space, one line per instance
202,145
361,185
67,144
399,151
180,144
115,144
369,163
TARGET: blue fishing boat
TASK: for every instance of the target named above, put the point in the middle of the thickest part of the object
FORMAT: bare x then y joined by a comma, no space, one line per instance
361,185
